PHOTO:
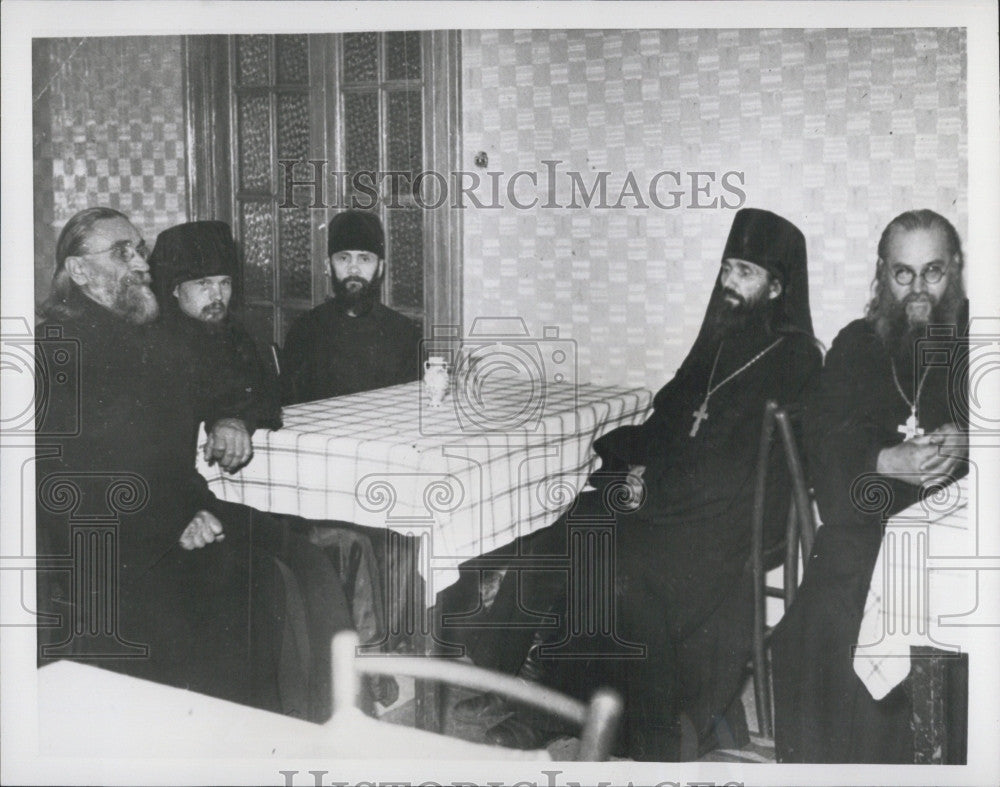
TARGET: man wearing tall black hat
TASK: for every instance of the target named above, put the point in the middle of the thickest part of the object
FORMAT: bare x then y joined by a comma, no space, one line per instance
352,342
890,413
681,581
194,266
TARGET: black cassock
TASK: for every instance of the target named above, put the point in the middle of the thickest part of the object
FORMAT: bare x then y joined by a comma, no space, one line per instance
329,353
116,441
682,582
683,585
240,383
823,712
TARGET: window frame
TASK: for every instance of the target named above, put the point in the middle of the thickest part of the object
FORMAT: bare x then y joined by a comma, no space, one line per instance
210,118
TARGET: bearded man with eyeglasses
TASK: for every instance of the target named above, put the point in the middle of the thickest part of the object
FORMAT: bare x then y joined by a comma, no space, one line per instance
187,578
889,409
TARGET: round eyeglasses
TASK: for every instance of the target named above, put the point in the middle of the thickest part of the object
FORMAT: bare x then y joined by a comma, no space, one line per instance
932,274
123,251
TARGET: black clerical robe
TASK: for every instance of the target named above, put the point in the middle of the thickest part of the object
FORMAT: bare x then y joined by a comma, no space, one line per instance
117,443
681,583
823,712
329,353
238,382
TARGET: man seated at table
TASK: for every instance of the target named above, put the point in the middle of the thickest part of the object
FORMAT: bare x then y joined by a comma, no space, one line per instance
191,583
350,343
887,408
682,585
194,267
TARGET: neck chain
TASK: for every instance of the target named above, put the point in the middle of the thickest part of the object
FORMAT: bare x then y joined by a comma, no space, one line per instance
911,428
701,414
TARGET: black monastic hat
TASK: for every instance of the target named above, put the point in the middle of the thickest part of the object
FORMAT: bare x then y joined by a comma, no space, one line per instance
192,251
356,230
773,242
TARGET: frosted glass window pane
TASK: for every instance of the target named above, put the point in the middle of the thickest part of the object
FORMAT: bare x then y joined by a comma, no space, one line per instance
360,57
292,59
402,55
361,132
295,252
406,257
252,55
254,143
405,137
293,125
257,232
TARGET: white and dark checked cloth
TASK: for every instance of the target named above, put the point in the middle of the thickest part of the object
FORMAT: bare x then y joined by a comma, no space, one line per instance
906,602
498,462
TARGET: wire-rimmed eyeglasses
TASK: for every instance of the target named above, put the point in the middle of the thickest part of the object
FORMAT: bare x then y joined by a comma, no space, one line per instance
123,250
931,274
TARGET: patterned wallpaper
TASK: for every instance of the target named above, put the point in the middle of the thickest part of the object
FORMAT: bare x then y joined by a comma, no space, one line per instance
838,130
108,130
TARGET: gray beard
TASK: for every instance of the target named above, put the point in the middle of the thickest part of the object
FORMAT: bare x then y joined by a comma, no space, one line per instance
135,303
899,335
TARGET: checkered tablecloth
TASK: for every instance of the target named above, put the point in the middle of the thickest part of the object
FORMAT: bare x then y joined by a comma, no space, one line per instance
495,463
923,587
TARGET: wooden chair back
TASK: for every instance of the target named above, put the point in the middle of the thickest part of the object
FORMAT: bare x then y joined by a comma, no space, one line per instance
598,720
800,530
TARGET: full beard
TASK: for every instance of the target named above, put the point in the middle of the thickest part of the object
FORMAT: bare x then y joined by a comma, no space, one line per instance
135,301
902,323
129,297
358,299
729,318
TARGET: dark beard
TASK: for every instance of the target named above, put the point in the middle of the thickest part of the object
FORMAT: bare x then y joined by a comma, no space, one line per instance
728,319
359,302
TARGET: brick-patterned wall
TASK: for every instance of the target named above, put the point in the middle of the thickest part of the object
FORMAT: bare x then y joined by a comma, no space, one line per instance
838,130
108,130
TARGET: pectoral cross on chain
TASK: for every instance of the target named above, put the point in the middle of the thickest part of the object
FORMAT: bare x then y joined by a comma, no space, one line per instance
911,428
701,414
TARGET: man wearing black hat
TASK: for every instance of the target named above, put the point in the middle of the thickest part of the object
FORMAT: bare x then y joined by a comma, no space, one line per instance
194,266
681,581
352,342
